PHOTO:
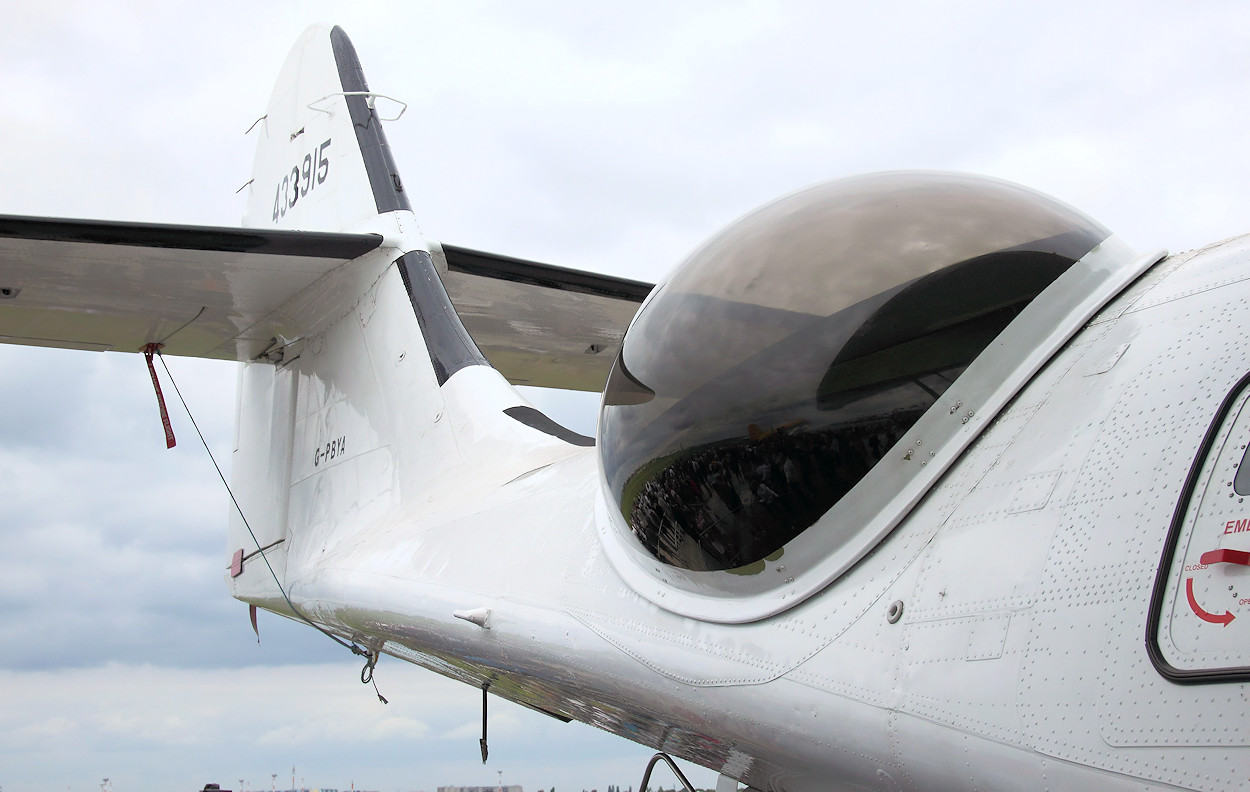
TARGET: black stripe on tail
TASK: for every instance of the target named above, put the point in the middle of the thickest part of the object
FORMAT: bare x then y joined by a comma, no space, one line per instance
388,190
450,346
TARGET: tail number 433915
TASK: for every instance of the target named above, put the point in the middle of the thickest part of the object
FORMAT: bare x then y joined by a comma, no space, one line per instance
302,178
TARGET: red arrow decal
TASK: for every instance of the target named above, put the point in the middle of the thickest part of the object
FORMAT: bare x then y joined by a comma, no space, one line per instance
1225,556
1225,620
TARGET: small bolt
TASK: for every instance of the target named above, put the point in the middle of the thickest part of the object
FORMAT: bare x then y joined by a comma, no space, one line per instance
894,612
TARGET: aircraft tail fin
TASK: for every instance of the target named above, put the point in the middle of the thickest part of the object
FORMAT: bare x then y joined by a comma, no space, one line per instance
366,411
361,390
322,160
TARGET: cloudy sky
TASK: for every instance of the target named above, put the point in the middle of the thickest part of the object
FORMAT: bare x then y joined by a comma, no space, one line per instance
610,137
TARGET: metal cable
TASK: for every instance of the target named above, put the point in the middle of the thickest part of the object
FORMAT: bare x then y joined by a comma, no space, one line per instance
371,656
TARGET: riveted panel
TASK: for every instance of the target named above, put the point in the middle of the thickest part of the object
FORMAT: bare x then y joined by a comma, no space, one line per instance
1200,615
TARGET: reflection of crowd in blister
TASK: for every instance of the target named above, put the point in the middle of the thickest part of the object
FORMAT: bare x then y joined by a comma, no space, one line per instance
732,503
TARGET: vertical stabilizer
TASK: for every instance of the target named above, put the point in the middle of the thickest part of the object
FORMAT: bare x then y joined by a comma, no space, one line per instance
365,414
322,162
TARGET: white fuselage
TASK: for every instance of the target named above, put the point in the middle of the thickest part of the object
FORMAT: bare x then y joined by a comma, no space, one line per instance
1024,576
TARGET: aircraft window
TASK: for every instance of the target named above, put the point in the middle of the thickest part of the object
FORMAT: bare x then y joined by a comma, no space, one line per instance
789,353
1241,482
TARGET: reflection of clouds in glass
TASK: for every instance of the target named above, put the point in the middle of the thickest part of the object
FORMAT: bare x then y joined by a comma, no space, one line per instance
821,325
674,343
771,386
831,245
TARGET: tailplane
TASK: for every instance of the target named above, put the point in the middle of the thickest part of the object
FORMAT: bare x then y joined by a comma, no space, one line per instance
364,400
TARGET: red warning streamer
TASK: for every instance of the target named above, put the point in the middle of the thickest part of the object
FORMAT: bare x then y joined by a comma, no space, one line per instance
148,352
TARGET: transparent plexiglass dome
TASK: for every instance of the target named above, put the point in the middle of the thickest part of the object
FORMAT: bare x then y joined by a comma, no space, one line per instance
783,359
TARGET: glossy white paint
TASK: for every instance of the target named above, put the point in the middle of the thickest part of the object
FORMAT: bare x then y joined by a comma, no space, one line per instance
411,515
1024,573
308,173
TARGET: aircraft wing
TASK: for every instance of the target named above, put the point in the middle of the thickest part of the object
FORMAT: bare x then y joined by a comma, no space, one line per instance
201,291
538,324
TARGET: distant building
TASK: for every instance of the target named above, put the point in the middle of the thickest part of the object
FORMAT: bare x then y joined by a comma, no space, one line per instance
496,788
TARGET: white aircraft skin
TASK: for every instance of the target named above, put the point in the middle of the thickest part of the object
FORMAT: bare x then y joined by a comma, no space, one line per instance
983,622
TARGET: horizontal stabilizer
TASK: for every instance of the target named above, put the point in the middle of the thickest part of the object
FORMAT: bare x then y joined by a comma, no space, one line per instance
538,324
201,291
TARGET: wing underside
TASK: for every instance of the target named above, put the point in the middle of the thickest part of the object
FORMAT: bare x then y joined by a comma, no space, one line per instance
233,294
200,291
538,324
